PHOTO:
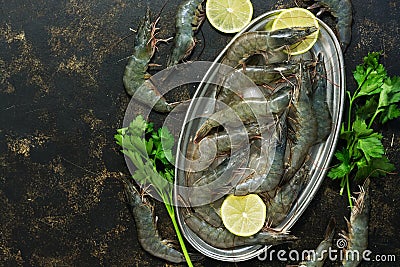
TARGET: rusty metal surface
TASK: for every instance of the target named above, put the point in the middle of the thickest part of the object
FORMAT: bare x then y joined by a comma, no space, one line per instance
61,99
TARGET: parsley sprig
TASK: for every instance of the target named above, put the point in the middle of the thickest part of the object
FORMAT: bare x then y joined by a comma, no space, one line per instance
376,100
152,157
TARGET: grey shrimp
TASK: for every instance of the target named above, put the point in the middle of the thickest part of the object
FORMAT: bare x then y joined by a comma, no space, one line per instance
319,104
357,236
221,238
303,124
147,232
266,182
270,73
136,79
210,213
260,75
343,11
188,20
235,84
232,141
248,111
270,44
286,196
213,184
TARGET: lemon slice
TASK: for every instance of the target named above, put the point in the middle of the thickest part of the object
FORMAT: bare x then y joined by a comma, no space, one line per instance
229,16
243,215
297,17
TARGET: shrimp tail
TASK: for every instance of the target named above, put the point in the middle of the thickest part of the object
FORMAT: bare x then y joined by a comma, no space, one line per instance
357,237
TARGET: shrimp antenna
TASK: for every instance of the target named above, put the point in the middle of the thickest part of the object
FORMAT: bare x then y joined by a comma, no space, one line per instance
204,43
162,8
132,32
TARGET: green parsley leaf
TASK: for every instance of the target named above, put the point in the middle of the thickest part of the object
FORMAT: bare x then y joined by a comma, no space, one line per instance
375,168
137,126
361,129
343,168
370,75
367,110
371,146
361,153
392,112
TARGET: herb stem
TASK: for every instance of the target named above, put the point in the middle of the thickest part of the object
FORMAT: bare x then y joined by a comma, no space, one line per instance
171,213
349,192
373,118
350,108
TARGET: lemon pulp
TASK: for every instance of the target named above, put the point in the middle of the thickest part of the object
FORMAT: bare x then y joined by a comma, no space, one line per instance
243,215
229,16
297,17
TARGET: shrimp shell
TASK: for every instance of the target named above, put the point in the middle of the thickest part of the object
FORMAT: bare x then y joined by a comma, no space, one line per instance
343,11
188,20
147,232
220,237
270,44
357,237
136,77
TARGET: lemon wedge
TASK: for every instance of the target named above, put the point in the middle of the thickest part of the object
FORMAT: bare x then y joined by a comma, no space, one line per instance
297,17
243,215
229,16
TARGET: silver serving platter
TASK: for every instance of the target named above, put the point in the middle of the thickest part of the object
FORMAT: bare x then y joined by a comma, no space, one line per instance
320,155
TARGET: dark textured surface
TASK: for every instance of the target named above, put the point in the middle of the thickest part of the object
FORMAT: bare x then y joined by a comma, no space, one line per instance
61,99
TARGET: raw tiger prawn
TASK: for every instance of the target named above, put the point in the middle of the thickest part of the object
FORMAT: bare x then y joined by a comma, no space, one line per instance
357,236
222,238
268,44
148,235
343,11
136,79
188,20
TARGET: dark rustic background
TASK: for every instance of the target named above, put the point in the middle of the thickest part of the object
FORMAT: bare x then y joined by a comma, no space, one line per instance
62,98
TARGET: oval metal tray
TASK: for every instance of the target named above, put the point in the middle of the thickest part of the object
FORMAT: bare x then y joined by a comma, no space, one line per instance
320,155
